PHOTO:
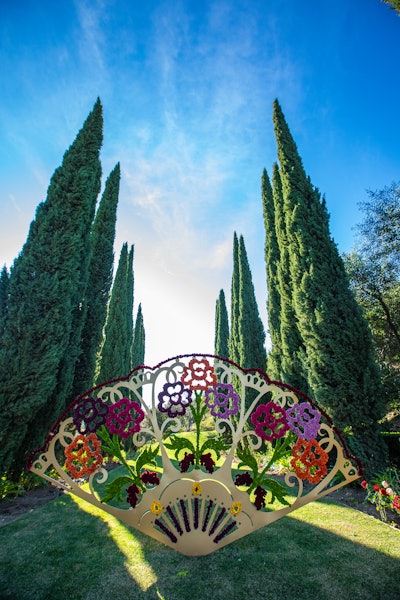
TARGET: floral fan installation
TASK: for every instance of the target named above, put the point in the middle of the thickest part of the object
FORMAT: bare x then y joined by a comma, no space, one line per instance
186,452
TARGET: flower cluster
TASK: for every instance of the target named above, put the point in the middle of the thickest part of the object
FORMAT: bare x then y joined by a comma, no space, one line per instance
83,454
383,496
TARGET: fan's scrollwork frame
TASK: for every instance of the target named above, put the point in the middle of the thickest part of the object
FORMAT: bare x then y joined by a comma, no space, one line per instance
207,488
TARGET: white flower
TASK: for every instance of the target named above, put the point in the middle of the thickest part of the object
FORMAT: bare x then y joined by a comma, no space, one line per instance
385,484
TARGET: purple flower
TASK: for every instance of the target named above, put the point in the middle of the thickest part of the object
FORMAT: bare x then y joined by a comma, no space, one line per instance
186,462
90,414
222,400
174,399
304,420
269,421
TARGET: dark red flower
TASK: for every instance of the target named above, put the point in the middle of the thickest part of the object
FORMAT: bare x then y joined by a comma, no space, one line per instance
133,494
150,477
186,461
243,479
260,494
383,491
207,461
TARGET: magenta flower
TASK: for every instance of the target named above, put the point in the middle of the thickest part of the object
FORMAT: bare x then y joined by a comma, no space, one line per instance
269,421
124,417
90,414
222,400
174,399
304,420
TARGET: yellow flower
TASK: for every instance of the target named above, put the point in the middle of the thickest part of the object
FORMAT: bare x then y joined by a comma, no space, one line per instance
196,489
236,507
156,507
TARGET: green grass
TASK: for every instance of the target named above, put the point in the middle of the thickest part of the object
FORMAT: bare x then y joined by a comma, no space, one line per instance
70,550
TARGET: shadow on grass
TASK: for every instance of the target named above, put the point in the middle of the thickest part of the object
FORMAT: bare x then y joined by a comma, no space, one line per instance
70,550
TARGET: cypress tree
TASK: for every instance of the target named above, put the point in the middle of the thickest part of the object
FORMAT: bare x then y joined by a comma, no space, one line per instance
115,354
46,290
251,330
139,338
272,257
291,345
338,358
221,339
234,337
99,283
4,285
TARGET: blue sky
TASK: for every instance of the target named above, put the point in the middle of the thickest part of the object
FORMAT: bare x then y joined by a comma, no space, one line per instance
187,89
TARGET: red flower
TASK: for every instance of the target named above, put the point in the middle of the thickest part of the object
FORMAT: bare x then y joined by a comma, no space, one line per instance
396,502
383,491
309,460
364,484
376,488
199,375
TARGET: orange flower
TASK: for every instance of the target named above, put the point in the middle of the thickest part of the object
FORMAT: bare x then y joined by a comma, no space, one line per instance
83,455
309,460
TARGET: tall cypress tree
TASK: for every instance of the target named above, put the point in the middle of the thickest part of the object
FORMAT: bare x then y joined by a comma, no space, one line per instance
234,337
99,283
115,354
251,330
341,370
46,290
291,344
272,257
221,340
4,285
139,339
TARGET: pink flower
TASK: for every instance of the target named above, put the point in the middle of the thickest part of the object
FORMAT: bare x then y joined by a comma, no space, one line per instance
385,484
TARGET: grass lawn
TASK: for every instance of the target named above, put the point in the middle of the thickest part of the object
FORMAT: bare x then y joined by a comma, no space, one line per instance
70,550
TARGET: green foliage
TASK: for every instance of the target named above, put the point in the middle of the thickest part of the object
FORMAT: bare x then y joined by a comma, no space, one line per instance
394,4
331,345
374,273
99,284
46,295
138,343
221,340
115,353
4,285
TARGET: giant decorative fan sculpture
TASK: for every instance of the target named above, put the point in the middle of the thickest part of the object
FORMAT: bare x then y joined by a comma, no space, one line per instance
192,444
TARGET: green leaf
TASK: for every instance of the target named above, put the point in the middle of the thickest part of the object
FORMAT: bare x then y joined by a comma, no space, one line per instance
216,444
247,460
114,488
277,490
180,443
146,458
